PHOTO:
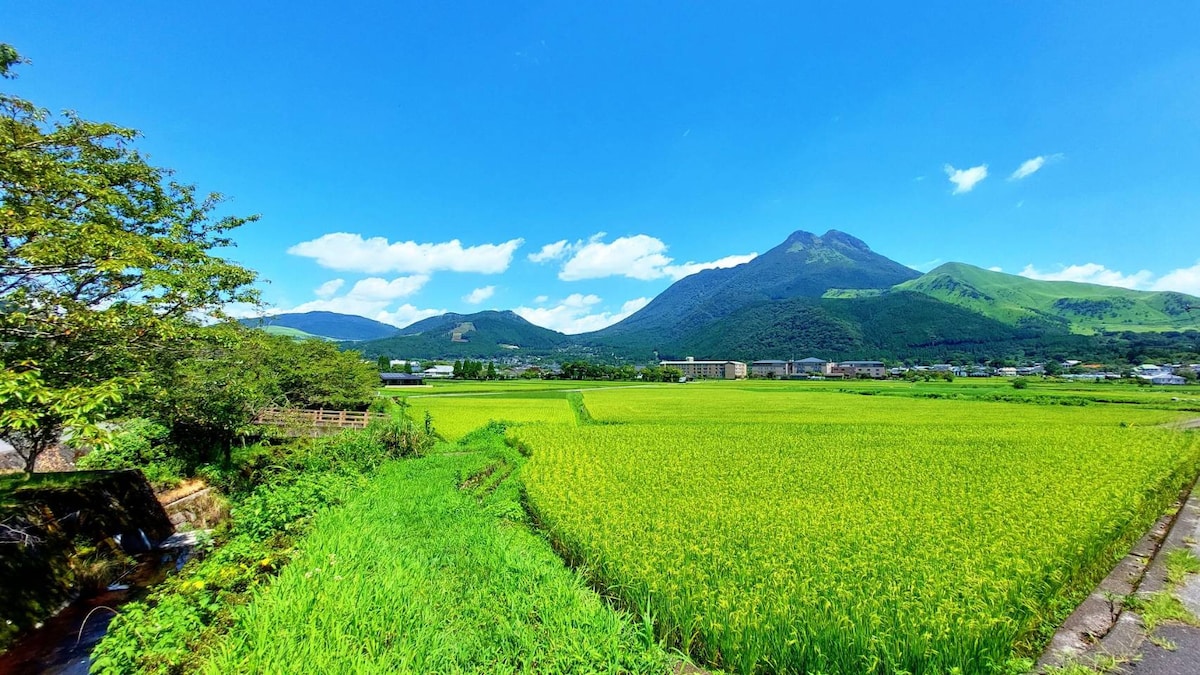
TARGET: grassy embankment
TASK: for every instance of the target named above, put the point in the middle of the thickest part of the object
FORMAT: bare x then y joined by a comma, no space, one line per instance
432,568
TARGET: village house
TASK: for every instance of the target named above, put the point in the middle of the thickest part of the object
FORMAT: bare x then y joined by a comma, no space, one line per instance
400,379
719,370
439,371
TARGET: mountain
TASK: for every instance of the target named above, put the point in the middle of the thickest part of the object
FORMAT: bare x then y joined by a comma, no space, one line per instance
327,325
1065,305
479,335
803,266
886,326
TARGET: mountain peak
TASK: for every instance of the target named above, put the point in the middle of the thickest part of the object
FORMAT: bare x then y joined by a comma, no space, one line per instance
805,265
801,240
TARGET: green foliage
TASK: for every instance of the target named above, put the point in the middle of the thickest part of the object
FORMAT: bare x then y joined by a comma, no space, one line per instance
1180,563
139,444
213,396
34,413
168,631
399,437
105,265
1020,383
429,570
1159,608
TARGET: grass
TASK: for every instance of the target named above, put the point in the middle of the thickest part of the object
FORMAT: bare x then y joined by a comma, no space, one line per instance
1159,608
440,575
782,530
758,526
455,417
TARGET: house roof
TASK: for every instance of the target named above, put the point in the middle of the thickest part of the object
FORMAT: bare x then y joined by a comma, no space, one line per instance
400,377
770,362
812,360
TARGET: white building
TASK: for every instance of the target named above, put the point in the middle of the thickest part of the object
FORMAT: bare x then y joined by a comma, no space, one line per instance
439,371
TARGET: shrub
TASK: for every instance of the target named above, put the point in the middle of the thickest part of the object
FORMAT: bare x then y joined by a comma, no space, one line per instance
139,444
1020,383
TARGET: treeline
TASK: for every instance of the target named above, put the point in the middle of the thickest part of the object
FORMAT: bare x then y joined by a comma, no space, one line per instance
586,370
474,370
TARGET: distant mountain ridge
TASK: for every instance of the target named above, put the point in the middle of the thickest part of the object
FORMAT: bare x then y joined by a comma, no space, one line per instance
329,325
829,296
479,335
1068,305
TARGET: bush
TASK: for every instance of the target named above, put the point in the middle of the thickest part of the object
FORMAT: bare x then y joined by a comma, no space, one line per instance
400,437
139,444
1020,383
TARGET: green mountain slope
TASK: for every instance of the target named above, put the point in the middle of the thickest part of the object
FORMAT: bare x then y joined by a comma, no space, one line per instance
1066,305
327,325
480,335
804,265
889,326
293,333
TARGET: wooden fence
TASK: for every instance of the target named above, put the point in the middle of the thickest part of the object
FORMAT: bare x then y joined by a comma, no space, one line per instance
313,420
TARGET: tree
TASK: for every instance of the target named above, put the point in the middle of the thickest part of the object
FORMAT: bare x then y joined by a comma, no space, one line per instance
491,371
107,269
233,373
384,363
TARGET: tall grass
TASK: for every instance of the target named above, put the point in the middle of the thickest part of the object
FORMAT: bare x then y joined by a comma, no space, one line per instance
430,570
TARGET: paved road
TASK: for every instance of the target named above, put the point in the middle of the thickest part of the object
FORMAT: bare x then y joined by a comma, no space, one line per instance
1184,660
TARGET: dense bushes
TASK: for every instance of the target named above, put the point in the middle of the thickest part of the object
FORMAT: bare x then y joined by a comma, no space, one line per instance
139,444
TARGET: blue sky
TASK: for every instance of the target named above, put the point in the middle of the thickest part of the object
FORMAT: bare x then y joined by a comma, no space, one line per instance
411,159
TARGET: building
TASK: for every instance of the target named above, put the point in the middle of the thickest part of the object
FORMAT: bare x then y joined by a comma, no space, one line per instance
1163,378
719,370
439,371
809,366
400,379
770,368
851,369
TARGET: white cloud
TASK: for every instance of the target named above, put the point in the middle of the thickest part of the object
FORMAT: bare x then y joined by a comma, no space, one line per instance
965,179
1031,166
1183,280
328,288
479,295
350,252
687,269
575,314
406,314
369,297
996,268
1092,273
638,257
550,252
541,298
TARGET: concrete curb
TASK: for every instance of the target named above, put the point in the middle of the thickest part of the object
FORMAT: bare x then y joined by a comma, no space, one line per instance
1101,627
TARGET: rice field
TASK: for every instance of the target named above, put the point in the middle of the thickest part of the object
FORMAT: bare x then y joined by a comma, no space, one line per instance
787,532
757,527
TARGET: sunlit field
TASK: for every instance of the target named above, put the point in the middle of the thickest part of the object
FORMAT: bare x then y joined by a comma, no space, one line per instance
798,526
